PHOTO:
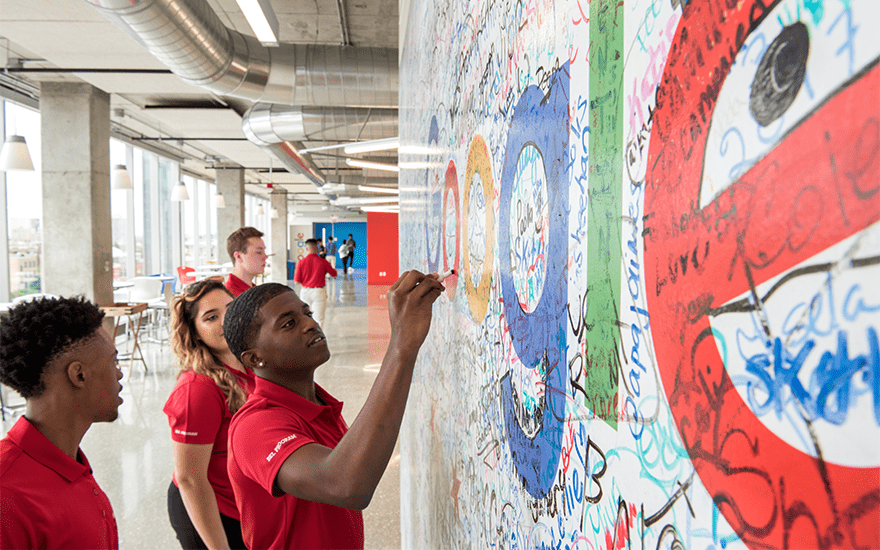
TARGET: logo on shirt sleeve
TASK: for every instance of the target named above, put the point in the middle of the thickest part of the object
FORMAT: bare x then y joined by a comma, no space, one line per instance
278,446
181,432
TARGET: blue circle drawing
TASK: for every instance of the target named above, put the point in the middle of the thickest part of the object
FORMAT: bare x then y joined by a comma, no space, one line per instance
540,119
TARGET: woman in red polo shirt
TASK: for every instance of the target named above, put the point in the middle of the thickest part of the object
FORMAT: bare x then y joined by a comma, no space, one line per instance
211,386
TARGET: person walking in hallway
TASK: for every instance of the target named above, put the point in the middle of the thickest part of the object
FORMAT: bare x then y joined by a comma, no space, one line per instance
301,476
58,356
211,386
351,246
344,251
310,273
248,253
331,251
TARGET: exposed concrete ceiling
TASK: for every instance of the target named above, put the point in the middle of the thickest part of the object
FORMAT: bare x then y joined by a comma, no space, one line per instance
72,34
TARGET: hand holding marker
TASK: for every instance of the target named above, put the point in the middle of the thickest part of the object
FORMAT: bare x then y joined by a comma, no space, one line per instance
442,277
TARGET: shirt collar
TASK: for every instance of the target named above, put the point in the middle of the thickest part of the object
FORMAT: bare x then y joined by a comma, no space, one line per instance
292,400
38,447
241,282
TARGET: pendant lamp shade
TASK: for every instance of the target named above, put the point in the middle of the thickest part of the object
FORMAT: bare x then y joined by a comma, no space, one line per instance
15,155
120,179
261,211
274,214
219,201
179,193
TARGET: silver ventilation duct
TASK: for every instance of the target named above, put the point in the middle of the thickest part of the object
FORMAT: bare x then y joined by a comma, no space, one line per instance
189,38
267,123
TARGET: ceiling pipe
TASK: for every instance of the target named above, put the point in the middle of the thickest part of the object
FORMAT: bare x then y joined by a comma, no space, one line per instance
267,123
343,22
189,38
287,154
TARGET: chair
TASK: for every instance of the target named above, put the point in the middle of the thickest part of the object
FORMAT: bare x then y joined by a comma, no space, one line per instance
157,295
183,275
28,297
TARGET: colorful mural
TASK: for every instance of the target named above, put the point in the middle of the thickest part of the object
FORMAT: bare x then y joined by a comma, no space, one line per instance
664,217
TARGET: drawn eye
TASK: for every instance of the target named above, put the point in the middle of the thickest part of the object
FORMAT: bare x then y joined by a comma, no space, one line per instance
786,70
780,74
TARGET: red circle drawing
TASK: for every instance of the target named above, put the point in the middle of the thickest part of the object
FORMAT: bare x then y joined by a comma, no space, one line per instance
696,259
451,186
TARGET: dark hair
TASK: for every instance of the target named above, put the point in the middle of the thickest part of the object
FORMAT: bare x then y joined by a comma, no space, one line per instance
242,322
238,240
312,241
35,333
193,353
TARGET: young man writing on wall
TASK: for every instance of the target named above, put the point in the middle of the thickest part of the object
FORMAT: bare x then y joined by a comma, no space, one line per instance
299,473
248,253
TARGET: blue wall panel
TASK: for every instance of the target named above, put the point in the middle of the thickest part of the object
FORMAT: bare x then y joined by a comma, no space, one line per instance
358,230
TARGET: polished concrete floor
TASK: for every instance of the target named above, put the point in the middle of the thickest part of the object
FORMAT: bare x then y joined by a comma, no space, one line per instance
131,457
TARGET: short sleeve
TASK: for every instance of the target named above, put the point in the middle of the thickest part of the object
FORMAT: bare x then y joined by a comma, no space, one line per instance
16,527
195,409
262,441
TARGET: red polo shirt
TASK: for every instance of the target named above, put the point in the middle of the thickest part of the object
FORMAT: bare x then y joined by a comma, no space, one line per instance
198,414
273,424
310,271
47,499
236,286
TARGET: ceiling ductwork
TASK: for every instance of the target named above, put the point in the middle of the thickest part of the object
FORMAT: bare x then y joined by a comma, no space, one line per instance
267,123
303,92
189,38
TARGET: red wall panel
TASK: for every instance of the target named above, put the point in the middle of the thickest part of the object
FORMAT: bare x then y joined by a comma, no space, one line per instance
382,238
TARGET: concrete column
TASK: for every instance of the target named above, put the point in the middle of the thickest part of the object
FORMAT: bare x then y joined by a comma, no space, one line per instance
75,134
278,236
230,184
4,227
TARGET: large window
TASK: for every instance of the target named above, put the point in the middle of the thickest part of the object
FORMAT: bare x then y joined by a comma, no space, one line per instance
256,212
24,205
167,211
119,211
146,227
150,234
199,223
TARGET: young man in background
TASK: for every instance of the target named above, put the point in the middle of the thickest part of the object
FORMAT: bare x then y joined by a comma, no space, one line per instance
248,253
310,272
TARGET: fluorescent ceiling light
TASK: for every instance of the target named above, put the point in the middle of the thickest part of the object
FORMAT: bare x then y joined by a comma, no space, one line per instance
262,20
386,209
418,165
371,189
374,165
377,200
418,150
331,188
348,201
120,178
372,145
179,193
15,155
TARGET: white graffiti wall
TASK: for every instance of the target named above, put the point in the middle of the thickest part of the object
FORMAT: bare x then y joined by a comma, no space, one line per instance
664,218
